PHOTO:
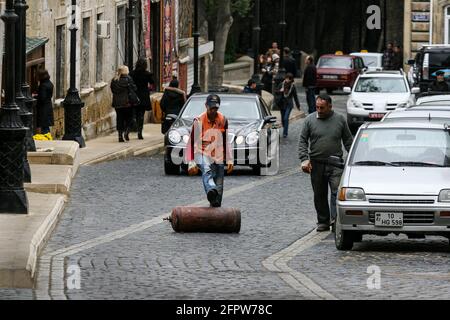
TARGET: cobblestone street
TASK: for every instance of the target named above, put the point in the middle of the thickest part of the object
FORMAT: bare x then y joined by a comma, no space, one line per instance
112,229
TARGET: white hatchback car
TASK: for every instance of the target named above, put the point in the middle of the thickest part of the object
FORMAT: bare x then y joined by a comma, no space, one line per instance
375,93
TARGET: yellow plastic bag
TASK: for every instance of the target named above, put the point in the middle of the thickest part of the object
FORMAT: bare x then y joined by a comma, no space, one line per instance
43,137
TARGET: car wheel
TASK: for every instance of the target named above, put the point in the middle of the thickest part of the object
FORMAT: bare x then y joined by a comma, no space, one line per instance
317,91
256,170
342,238
329,90
357,237
170,168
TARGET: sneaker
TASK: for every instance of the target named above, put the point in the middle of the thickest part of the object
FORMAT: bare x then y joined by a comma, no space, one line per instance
323,227
212,197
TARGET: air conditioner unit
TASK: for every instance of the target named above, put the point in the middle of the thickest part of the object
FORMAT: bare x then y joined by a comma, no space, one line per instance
103,29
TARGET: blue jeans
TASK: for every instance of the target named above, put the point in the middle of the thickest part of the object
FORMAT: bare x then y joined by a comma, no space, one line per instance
285,114
212,175
311,99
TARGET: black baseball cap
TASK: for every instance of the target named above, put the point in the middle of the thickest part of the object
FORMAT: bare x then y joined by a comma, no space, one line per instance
213,101
440,73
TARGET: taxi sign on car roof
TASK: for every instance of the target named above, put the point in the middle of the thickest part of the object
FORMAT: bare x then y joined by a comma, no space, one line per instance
339,53
364,51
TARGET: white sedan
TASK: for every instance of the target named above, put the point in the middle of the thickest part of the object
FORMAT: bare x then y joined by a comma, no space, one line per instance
376,93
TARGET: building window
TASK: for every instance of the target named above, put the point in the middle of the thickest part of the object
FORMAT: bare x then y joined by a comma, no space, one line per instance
99,71
85,42
121,28
60,60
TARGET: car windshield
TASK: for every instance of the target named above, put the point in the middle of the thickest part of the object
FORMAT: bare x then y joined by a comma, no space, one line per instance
433,103
439,60
402,147
384,85
231,107
370,61
335,63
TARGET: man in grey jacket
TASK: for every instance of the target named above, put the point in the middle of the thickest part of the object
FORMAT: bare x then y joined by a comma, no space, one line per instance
322,136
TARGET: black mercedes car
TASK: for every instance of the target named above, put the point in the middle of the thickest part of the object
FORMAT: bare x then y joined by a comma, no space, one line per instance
253,133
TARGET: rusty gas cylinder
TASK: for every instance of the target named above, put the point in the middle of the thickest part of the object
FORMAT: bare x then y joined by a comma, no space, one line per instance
211,220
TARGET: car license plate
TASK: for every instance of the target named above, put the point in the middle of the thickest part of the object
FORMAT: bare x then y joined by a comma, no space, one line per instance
389,219
330,77
376,115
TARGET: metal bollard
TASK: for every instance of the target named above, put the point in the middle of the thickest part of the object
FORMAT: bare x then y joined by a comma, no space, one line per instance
208,220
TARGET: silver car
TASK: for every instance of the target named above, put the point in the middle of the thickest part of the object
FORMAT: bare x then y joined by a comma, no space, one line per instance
396,180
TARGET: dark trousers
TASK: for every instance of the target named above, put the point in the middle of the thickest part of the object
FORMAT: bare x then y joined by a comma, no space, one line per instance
322,177
139,112
311,99
124,117
285,114
45,130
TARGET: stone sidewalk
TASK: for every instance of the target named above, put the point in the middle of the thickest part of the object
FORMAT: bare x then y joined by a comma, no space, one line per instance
53,167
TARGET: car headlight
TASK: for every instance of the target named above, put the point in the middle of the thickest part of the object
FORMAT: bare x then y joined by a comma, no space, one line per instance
355,103
174,137
240,140
352,194
444,195
252,138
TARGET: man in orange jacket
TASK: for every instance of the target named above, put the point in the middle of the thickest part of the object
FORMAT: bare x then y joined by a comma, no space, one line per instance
209,149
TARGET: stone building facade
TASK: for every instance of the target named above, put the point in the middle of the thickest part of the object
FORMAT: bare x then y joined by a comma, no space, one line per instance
159,28
425,22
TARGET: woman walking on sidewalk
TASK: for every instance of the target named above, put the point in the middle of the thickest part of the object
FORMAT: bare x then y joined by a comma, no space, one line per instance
44,105
144,82
289,97
171,103
309,83
121,87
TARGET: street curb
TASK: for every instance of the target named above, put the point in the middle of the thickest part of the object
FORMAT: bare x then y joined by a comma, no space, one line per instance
149,151
40,238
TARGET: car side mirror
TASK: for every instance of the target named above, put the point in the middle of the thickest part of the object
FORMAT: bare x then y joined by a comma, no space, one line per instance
270,119
411,62
171,117
347,90
415,90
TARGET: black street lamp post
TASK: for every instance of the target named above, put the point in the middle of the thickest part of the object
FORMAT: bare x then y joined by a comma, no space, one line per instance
26,91
256,45
279,78
196,34
72,103
13,198
130,32
20,63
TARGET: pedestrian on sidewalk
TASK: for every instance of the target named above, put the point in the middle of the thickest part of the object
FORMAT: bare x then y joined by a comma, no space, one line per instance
273,50
289,97
397,60
321,137
309,83
208,148
144,83
44,104
171,103
123,88
289,62
388,57
267,74
251,87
